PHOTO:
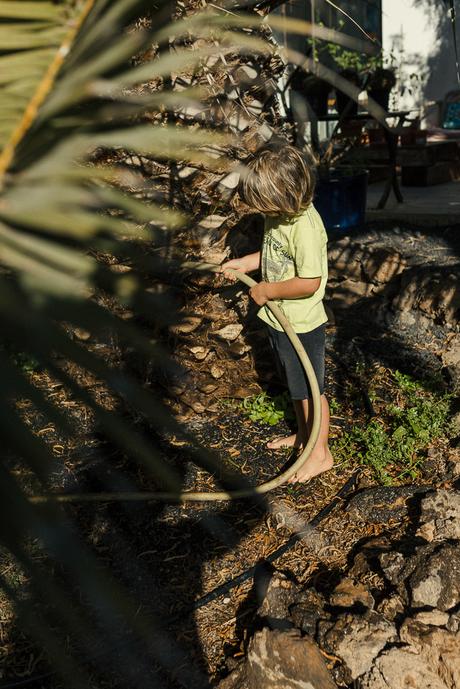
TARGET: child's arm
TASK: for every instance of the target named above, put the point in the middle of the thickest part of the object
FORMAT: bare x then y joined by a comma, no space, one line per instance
286,289
245,264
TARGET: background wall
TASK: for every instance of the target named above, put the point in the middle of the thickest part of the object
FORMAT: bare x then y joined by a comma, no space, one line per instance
419,35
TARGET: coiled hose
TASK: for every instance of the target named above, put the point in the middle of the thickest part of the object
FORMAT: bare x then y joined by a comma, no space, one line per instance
195,496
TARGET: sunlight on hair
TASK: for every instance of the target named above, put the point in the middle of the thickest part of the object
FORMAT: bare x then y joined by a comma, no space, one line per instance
278,181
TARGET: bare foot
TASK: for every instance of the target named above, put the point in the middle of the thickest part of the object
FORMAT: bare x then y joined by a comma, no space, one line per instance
294,440
314,466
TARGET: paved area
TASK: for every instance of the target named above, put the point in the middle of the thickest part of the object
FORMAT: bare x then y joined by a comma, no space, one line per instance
435,205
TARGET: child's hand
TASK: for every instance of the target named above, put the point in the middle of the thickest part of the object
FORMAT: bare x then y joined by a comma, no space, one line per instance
236,264
260,293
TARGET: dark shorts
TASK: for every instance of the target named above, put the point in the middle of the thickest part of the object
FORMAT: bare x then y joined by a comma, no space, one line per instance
288,363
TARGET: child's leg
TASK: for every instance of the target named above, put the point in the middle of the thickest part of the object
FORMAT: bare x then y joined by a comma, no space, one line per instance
320,458
291,369
296,439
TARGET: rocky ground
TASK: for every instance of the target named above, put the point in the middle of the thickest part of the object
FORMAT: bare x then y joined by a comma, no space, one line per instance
390,622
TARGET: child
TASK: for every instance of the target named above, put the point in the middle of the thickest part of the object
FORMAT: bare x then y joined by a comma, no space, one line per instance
293,262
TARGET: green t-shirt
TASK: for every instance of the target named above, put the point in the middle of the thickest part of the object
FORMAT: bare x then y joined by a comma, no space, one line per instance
296,247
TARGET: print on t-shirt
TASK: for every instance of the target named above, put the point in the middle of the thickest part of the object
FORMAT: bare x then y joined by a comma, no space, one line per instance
276,260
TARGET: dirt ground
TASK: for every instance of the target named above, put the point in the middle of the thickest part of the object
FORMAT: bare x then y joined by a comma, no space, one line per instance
169,557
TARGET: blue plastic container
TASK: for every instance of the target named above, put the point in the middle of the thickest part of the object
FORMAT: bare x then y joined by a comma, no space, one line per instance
340,199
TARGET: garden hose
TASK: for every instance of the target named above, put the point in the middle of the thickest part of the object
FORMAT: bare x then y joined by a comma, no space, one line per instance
195,496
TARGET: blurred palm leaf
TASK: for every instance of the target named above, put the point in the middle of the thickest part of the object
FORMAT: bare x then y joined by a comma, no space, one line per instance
72,88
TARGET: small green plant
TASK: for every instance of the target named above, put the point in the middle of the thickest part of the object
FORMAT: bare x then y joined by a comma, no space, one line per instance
27,363
269,410
334,406
394,444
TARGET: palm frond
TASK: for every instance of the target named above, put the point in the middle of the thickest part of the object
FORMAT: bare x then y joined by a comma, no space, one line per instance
75,98
28,35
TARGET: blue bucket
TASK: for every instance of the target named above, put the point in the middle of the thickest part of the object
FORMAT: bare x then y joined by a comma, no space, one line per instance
340,199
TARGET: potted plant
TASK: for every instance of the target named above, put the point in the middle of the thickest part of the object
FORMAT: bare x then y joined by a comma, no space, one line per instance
340,197
341,189
379,85
350,65
313,89
345,104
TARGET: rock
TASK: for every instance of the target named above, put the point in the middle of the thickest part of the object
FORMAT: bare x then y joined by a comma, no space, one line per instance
279,596
405,320
345,261
436,464
307,611
187,325
382,265
382,503
348,593
441,299
212,60
193,112
357,640
435,582
401,668
453,624
435,618
366,559
348,292
408,293
440,516
439,647
435,293
392,565
286,660
235,680
200,353
391,607
232,93
229,332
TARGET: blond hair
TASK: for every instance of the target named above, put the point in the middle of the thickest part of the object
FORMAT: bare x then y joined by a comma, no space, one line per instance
277,181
